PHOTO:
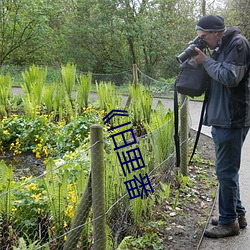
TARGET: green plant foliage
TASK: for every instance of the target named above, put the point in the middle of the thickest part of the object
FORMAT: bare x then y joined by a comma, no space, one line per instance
58,126
141,105
56,184
147,241
30,206
5,90
83,91
68,74
33,85
164,193
48,98
161,126
6,184
43,137
107,96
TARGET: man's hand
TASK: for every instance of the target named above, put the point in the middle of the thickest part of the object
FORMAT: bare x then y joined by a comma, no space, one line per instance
200,58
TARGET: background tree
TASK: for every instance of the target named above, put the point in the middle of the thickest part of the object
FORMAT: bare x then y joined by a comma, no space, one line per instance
21,25
105,36
237,13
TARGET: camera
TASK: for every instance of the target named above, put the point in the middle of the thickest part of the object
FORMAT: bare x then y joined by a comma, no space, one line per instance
190,51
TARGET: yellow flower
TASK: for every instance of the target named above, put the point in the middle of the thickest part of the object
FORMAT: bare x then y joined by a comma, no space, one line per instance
69,211
38,156
31,187
45,151
14,209
73,199
37,196
17,152
6,132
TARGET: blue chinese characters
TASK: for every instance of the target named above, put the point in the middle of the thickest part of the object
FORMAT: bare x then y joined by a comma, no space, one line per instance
130,160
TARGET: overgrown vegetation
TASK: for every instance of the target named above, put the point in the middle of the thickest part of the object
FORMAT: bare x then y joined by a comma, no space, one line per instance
55,128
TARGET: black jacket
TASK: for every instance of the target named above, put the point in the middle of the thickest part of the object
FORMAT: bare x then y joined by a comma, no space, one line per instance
229,90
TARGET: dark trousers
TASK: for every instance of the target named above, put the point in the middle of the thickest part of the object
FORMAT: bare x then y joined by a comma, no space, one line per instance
228,145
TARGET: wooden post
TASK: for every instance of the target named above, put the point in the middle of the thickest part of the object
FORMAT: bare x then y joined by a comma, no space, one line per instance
135,82
98,194
184,135
135,74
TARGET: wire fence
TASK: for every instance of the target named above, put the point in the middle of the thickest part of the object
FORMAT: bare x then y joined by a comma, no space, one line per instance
57,209
160,87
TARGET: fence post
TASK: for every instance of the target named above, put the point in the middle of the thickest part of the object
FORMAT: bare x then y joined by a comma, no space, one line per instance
135,74
98,195
135,82
184,135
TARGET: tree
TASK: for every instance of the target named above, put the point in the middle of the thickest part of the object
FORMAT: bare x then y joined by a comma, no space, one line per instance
237,13
21,21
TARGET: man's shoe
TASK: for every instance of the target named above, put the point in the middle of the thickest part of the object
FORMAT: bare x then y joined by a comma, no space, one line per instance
221,231
241,219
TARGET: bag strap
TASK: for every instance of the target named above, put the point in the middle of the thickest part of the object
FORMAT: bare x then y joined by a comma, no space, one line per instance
176,126
199,127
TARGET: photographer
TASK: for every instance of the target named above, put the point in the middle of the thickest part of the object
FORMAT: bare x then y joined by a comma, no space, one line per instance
228,112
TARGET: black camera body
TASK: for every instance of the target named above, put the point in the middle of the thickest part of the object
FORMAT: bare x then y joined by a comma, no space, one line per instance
190,51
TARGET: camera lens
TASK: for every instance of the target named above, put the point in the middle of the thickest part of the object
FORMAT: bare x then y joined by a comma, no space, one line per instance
187,53
190,51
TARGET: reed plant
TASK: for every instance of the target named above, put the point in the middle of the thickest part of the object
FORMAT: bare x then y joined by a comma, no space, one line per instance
161,128
6,184
83,91
62,106
5,90
48,97
34,80
68,74
109,100
107,96
56,184
141,105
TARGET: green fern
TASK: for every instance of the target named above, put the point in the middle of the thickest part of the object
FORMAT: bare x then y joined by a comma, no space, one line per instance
125,242
56,185
6,184
107,96
33,86
83,90
68,74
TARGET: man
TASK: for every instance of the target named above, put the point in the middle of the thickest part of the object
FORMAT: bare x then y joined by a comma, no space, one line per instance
228,112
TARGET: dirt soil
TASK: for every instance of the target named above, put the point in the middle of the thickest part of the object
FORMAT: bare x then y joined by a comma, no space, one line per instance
187,221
